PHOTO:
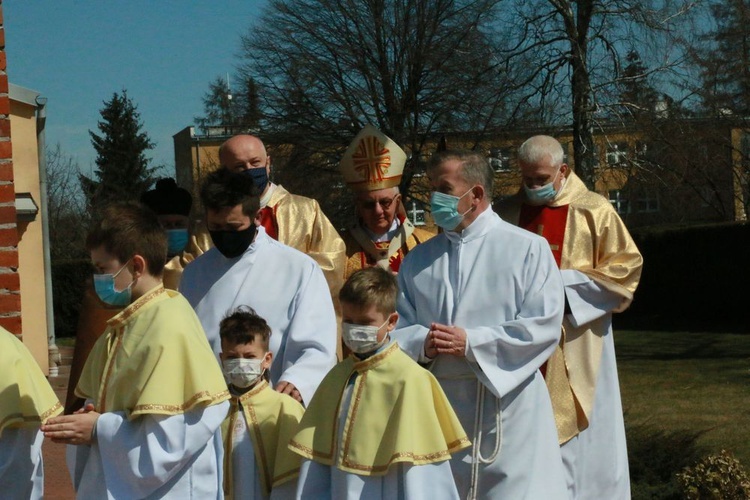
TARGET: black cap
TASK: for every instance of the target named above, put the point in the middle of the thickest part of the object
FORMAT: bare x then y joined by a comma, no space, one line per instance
168,199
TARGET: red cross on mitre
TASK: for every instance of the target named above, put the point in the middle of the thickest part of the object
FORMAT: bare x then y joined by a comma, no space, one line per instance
371,159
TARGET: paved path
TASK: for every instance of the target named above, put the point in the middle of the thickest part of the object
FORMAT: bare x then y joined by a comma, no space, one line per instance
57,485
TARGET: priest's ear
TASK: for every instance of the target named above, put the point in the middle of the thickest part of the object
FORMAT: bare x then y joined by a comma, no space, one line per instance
479,193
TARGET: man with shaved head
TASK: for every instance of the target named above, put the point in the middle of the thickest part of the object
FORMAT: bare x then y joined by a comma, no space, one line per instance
293,220
600,267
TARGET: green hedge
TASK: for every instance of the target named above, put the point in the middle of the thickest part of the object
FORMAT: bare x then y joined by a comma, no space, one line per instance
693,278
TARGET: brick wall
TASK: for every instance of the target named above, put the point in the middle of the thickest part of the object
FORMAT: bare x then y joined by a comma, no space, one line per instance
10,298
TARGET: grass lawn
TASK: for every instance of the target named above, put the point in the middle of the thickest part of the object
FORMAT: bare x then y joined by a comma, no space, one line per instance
689,381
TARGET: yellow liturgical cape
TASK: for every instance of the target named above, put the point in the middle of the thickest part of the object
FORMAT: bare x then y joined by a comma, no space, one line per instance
272,419
153,358
596,243
26,398
398,413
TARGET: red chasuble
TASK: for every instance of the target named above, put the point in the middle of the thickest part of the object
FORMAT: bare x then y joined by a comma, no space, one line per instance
547,222
268,221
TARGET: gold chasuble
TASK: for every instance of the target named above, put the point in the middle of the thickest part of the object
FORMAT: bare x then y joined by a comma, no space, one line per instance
585,234
272,419
153,358
26,398
398,413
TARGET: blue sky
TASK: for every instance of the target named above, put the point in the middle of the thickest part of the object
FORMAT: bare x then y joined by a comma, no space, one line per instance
164,52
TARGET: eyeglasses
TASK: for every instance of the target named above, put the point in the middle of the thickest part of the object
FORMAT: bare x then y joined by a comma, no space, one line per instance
385,203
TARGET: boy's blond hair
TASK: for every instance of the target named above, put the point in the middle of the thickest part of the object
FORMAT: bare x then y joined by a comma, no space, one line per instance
371,286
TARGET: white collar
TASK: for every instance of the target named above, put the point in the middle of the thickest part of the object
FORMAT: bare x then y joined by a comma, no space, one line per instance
474,230
386,236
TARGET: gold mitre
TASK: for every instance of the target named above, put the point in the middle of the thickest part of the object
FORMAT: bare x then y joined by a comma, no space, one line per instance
372,161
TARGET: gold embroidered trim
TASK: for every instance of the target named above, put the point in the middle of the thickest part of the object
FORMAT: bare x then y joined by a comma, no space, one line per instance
201,396
133,308
373,361
358,387
266,478
411,457
108,370
56,408
262,384
282,478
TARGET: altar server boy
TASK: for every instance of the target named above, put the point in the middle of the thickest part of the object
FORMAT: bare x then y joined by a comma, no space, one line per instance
379,425
155,396
26,402
257,462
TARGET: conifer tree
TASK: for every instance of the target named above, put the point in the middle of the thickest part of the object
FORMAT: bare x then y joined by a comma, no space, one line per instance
123,170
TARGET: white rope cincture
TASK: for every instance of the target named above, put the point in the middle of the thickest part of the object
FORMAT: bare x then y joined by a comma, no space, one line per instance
476,452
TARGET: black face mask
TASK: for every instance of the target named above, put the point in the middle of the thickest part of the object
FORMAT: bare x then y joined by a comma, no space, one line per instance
232,244
259,176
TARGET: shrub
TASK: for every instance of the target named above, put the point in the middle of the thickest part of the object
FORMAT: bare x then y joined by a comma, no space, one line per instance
717,476
655,456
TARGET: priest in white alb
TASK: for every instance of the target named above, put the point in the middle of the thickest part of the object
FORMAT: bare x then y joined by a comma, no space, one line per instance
481,305
284,286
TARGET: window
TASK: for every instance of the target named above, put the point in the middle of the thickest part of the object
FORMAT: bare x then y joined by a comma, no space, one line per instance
500,159
647,203
415,212
618,200
617,154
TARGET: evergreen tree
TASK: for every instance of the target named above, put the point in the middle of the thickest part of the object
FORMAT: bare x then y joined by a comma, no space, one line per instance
725,59
234,112
217,106
123,171
638,97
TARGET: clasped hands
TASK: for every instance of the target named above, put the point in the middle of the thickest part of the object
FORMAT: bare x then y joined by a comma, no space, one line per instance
444,339
77,428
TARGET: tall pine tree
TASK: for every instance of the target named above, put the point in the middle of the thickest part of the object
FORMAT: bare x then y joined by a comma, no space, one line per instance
233,112
123,171
725,59
638,98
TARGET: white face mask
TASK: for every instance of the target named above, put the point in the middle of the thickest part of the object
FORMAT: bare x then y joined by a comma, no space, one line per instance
362,338
242,373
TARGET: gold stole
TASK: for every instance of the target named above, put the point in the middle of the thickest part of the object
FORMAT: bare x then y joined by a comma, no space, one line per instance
153,358
26,398
596,243
398,413
272,420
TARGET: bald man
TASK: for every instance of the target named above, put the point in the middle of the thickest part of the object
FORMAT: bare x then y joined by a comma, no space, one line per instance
293,220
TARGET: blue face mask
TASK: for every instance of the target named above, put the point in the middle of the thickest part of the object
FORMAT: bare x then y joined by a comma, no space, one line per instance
104,286
542,195
177,240
445,210
259,176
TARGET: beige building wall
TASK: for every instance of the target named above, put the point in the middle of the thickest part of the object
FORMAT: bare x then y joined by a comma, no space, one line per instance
30,244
